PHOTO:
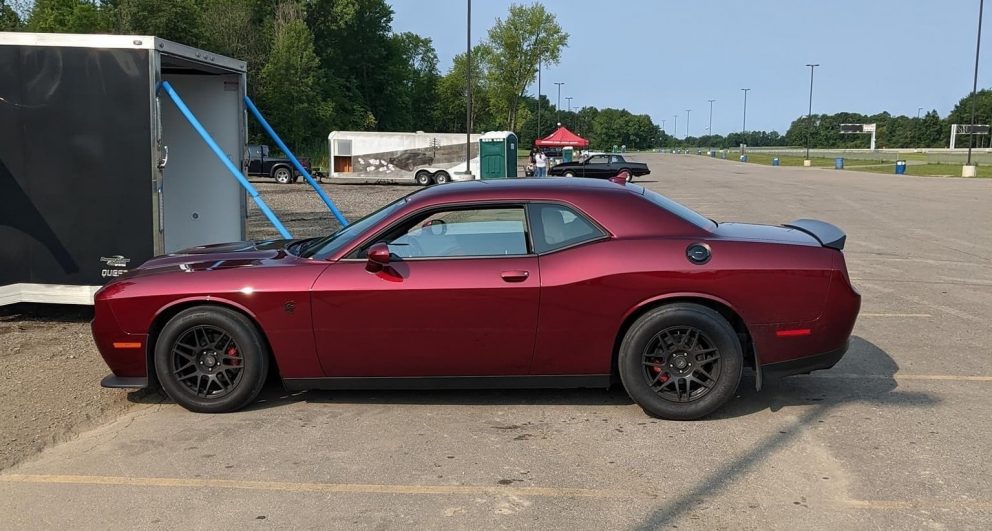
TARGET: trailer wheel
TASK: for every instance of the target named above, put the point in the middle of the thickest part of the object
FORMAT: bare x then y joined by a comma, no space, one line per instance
283,175
441,177
423,177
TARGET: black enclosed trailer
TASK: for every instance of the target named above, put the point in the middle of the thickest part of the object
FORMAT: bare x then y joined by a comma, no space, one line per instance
98,171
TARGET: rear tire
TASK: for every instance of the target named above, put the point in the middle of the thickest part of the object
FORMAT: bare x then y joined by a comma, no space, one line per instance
680,361
569,174
441,177
423,178
211,359
283,175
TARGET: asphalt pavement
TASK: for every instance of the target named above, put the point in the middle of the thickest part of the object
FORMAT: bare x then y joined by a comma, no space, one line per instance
896,436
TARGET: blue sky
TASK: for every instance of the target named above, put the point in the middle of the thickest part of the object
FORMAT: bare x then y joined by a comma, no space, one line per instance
661,57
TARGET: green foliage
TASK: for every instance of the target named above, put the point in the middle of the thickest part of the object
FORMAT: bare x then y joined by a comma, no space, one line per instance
290,93
529,35
69,16
9,19
961,114
175,20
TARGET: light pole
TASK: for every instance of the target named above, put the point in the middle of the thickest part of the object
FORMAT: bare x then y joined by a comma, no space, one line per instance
569,100
663,125
744,125
558,105
675,128
687,111
809,115
918,109
468,89
538,93
709,128
974,86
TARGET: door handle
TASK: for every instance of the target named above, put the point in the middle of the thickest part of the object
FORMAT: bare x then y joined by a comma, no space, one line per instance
515,276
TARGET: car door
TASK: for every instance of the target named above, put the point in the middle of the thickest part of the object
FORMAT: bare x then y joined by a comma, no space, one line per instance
459,298
596,166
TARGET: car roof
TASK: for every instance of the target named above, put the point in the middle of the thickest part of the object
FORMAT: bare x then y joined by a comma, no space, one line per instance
517,188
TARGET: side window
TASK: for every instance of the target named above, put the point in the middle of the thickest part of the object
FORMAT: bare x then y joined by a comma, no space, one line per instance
558,226
597,159
465,232
615,159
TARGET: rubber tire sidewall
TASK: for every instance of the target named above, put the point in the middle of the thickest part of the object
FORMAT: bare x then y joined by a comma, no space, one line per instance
250,343
680,314
441,178
276,171
569,174
426,178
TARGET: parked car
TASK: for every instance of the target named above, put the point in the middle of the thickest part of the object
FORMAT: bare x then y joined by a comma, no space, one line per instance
259,163
600,166
512,283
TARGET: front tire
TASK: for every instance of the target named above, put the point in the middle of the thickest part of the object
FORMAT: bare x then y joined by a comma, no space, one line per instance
680,361
211,360
569,174
283,175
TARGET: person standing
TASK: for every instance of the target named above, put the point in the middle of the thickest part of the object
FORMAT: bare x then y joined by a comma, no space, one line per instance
540,165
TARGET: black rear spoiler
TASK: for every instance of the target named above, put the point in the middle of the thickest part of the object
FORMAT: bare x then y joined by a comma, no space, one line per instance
828,235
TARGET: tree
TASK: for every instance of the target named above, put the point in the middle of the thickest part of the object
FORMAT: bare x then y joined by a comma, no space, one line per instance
529,35
451,94
418,71
9,19
290,91
961,114
175,20
67,16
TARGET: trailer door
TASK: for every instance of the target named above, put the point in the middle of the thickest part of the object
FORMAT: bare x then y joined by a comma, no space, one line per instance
201,203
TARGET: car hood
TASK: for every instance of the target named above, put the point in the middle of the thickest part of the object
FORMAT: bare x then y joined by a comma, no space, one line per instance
764,233
217,256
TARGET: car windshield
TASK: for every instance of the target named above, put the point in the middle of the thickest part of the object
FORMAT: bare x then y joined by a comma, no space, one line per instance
328,245
678,209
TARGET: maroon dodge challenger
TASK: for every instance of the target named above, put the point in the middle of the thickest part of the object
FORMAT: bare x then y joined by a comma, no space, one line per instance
498,284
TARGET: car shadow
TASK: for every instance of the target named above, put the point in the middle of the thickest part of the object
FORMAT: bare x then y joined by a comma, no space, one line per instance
866,375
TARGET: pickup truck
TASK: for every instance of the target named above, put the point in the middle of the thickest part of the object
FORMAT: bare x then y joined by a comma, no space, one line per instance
259,163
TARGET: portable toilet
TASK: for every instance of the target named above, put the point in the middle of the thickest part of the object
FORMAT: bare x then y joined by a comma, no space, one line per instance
567,154
498,155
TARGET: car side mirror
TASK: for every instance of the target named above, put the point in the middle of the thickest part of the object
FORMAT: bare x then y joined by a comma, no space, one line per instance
378,256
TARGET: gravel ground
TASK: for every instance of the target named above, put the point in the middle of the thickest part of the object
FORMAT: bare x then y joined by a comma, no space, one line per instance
50,369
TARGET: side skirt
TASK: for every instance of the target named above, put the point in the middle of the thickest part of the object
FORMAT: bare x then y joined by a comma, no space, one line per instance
450,382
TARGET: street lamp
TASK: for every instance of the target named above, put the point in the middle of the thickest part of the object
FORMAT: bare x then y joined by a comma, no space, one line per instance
675,128
974,89
687,111
468,89
809,115
569,100
558,105
709,129
918,109
744,125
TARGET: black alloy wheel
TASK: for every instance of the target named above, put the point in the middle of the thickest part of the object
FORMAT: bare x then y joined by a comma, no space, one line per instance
680,361
681,364
207,361
211,359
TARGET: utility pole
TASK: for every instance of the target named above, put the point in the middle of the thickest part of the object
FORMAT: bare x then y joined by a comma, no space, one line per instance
809,115
709,128
974,86
558,105
468,89
744,125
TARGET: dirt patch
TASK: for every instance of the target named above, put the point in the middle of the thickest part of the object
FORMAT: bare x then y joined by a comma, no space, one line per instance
50,379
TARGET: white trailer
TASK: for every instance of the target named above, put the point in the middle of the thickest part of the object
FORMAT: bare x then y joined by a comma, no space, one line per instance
387,156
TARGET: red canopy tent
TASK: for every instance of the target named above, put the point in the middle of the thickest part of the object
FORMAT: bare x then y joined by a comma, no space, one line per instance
562,137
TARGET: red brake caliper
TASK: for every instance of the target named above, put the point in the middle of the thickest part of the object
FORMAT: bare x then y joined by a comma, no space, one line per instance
232,352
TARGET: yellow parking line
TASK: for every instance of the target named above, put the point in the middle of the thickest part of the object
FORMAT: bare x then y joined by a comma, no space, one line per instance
552,492
471,490
897,377
867,314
